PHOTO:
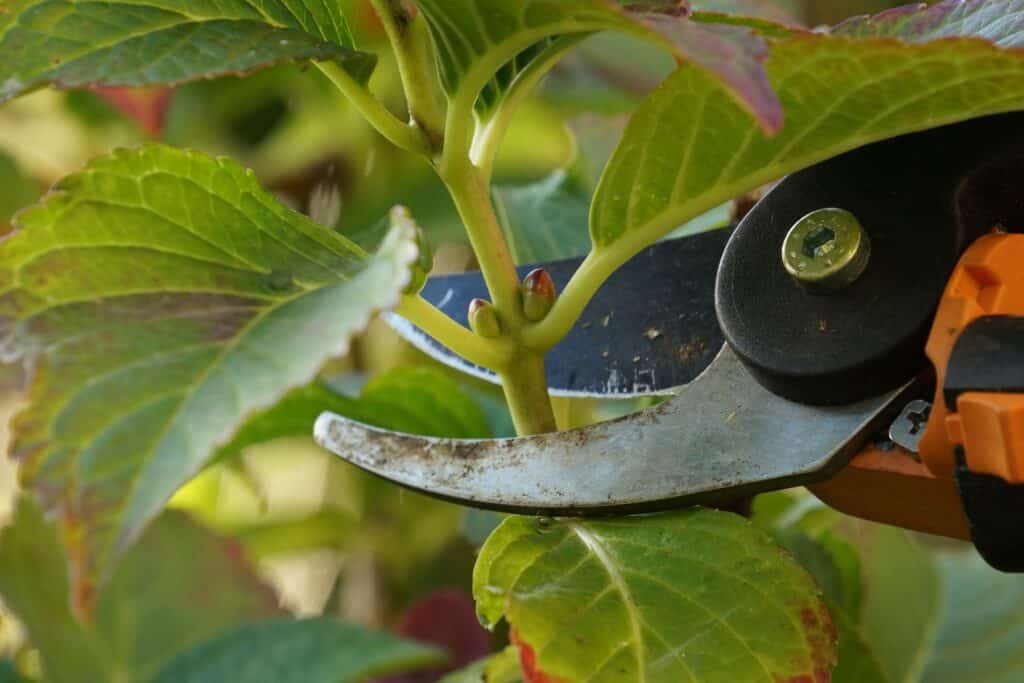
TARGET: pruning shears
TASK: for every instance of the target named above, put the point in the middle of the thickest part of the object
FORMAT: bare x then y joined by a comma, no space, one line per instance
860,332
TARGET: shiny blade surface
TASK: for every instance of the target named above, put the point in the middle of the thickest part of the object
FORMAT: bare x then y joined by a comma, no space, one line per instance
722,436
651,327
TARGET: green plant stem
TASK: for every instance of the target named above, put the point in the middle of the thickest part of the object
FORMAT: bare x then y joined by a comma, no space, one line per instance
401,135
411,47
473,202
493,354
526,391
522,376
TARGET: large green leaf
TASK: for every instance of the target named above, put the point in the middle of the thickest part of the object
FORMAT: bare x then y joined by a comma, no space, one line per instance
167,298
319,650
690,147
72,43
656,598
179,586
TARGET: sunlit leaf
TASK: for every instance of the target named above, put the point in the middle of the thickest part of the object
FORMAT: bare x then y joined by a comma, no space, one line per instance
321,650
179,586
655,598
74,43
166,298
690,147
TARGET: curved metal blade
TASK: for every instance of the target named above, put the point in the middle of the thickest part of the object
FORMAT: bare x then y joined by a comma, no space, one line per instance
651,327
722,436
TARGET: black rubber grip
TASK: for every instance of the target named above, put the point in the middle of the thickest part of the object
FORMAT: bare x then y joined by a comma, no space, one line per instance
989,357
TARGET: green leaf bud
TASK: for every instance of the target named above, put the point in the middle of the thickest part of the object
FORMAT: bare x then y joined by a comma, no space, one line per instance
483,319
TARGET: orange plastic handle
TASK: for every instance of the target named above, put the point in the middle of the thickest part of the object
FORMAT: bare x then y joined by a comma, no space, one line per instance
989,280
894,486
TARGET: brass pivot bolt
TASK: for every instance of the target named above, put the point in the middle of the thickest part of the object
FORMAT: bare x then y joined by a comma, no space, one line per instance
826,250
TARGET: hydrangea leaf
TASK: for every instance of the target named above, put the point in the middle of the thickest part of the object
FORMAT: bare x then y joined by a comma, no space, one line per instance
654,598
165,298
75,43
690,147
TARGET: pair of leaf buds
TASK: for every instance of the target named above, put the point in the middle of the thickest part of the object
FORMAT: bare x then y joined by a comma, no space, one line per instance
538,292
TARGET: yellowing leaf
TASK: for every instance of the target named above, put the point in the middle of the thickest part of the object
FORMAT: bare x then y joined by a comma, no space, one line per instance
697,595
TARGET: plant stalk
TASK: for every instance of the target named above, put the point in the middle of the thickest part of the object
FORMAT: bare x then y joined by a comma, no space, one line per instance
401,135
522,377
526,391
473,202
492,354
407,34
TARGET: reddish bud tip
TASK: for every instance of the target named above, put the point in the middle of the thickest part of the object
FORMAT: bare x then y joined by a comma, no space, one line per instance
538,294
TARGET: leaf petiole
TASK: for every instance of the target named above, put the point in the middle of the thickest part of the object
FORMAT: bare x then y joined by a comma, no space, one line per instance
493,354
402,135
407,34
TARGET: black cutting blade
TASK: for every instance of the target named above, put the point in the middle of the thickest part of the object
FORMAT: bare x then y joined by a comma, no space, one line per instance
651,326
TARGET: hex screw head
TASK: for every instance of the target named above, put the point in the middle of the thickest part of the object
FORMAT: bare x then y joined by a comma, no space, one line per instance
826,250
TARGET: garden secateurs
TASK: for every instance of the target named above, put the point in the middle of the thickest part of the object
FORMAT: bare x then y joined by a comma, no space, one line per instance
860,332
